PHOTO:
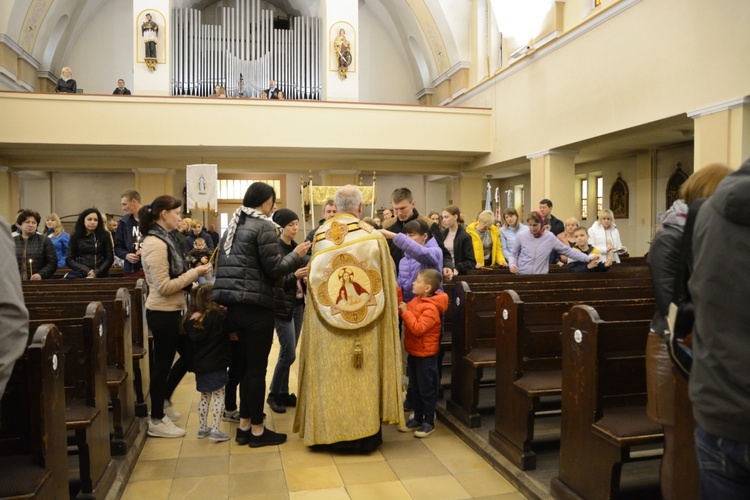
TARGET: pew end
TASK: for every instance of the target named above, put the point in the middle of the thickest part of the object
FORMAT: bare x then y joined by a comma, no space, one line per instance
603,400
33,448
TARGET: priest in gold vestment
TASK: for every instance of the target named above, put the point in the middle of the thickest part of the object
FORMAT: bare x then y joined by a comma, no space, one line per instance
350,351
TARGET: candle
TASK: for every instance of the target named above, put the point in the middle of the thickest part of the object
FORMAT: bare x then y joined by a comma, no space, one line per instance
138,243
31,269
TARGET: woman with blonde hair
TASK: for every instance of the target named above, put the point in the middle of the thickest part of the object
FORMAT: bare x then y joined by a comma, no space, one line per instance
66,84
57,235
571,223
485,239
603,235
663,261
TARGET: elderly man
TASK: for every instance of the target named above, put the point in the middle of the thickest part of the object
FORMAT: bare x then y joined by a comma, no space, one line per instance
350,354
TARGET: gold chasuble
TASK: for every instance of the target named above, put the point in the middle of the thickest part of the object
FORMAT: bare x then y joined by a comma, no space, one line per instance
350,353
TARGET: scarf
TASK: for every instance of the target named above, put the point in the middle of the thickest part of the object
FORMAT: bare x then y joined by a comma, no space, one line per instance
250,212
177,264
541,229
675,216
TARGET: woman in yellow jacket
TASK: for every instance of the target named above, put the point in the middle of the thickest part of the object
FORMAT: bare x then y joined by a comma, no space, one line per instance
485,239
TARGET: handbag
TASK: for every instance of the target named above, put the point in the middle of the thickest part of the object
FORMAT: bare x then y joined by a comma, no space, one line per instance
681,316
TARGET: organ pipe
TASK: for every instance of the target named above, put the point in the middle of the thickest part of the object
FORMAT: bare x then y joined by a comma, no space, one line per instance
245,42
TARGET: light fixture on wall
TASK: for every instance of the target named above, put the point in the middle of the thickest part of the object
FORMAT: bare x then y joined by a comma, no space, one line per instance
522,51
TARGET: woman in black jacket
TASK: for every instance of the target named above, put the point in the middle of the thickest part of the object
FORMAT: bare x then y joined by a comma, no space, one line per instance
35,253
458,241
90,252
66,84
250,263
663,262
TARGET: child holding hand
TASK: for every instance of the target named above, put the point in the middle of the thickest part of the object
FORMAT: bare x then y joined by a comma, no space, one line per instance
210,359
581,237
422,325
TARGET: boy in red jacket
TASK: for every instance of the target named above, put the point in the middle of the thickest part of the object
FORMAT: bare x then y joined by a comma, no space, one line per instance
422,325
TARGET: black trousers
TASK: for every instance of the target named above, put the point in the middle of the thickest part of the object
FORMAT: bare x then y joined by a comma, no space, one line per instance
165,326
254,326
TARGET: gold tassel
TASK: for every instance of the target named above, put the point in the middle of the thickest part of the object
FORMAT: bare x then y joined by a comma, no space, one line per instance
357,354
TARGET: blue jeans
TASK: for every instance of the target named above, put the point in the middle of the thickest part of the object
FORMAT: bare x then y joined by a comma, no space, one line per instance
423,378
288,332
724,466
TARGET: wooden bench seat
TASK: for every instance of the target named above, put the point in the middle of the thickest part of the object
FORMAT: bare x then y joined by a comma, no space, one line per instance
85,289
474,327
604,404
119,358
529,351
87,396
33,451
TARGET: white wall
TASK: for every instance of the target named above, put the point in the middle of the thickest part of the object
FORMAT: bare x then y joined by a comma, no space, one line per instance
386,184
437,197
103,52
383,75
35,195
73,192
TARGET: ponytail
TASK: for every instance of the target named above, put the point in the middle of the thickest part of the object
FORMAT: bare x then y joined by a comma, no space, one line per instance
148,215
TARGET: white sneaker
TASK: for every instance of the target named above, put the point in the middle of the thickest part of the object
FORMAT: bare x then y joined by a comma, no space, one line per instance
174,416
164,429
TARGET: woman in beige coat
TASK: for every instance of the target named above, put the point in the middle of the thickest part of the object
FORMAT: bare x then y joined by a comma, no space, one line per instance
168,276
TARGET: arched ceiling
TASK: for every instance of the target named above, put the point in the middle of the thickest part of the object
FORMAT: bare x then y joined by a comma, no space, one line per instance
35,26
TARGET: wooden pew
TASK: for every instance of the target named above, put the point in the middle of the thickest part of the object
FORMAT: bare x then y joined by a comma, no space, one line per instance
119,358
87,397
82,288
529,354
33,451
633,272
604,404
473,347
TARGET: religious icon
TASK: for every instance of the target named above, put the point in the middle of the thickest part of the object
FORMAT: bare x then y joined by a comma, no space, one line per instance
619,198
150,36
342,47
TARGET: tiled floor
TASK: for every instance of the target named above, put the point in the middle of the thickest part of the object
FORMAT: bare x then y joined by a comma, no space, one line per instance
438,467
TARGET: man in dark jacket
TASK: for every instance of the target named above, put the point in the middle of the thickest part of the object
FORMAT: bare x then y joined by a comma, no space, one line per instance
121,89
720,378
128,236
329,210
555,224
405,211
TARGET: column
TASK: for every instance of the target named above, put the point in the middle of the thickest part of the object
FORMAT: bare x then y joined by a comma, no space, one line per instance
338,15
644,215
722,133
9,194
552,177
153,182
156,81
468,192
